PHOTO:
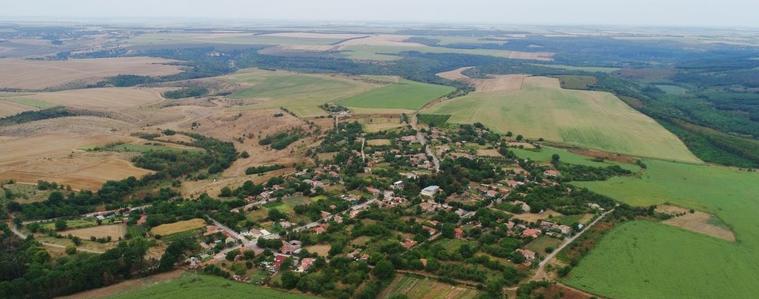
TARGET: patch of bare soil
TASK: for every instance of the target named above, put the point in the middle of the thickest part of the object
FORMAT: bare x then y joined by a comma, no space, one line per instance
492,83
702,223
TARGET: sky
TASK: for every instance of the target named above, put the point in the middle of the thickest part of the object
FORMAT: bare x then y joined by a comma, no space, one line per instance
701,13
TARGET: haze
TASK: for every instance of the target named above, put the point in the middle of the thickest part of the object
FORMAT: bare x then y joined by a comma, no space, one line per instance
704,13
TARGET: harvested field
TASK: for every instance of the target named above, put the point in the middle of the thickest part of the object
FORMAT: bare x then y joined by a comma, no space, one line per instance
41,74
405,94
703,223
541,108
488,152
56,157
374,142
98,98
115,231
425,288
321,250
178,227
8,108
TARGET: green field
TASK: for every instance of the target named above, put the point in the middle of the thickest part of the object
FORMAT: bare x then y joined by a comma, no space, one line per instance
204,286
414,287
405,94
589,119
652,260
592,69
141,148
300,93
30,102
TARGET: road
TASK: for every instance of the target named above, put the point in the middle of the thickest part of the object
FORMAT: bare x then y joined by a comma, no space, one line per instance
540,272
423,140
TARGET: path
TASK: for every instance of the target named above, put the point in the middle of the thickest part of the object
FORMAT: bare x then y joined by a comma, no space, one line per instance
423,140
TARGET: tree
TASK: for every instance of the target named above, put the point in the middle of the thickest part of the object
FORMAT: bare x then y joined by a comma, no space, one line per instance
447,230
555,159
520,137
60,224
384,270
276,215
71,250
231,255
289,280
225,192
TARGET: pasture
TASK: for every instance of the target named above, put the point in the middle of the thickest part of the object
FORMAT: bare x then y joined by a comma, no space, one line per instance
178,227
205,286
42,74
424,288
545,153
405,94
92,98
541,109
115,231
658,260
300,93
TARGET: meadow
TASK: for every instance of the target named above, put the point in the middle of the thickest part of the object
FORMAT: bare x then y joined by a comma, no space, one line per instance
545,154
418,288
654,260
541,109
405,94
205,286
178,227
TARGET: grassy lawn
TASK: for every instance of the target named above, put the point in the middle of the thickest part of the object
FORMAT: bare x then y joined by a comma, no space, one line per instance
204,286
403,95
414,287
653,260
590,119
300,93
540,244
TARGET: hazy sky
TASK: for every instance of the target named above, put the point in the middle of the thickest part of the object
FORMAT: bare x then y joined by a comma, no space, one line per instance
743,13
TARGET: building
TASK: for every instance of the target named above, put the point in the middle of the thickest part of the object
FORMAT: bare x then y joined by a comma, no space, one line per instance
305,264
430,191
458,233
551,173
528,255
290,247
531,233
399,185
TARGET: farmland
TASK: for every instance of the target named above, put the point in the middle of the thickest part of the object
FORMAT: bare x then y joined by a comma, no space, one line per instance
204,286
402,95
41,74
421,288
114,231
657,260
541,109
178,227
300,93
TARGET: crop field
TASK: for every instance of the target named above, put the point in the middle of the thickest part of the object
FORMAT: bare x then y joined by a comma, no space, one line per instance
540,108
405,94
421,288
658,260
178,227
41,74
300,93
205,286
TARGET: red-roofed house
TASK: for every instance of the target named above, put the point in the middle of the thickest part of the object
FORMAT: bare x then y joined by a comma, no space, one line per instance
278,260
531,233
305,264
458,233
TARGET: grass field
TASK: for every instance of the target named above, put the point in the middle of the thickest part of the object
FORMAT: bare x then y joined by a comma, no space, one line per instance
300,93
204,286
540,108
115,231
546,153
178,227
141,148
654,260
540,244
389,52
405,94
420,288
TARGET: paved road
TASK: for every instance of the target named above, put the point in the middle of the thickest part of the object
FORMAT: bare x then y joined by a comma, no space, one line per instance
423,140
540,272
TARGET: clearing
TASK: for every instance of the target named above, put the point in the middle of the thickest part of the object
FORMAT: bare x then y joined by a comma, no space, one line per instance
591,119
41,74
656,260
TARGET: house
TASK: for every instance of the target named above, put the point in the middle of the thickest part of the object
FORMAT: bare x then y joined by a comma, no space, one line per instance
514,184
305,264
458,233
408,243
430,191
531,233
551,173
524,205
565,229
290,247
528,255
325,214
399,185
320,229
278,261
491,193
285,224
